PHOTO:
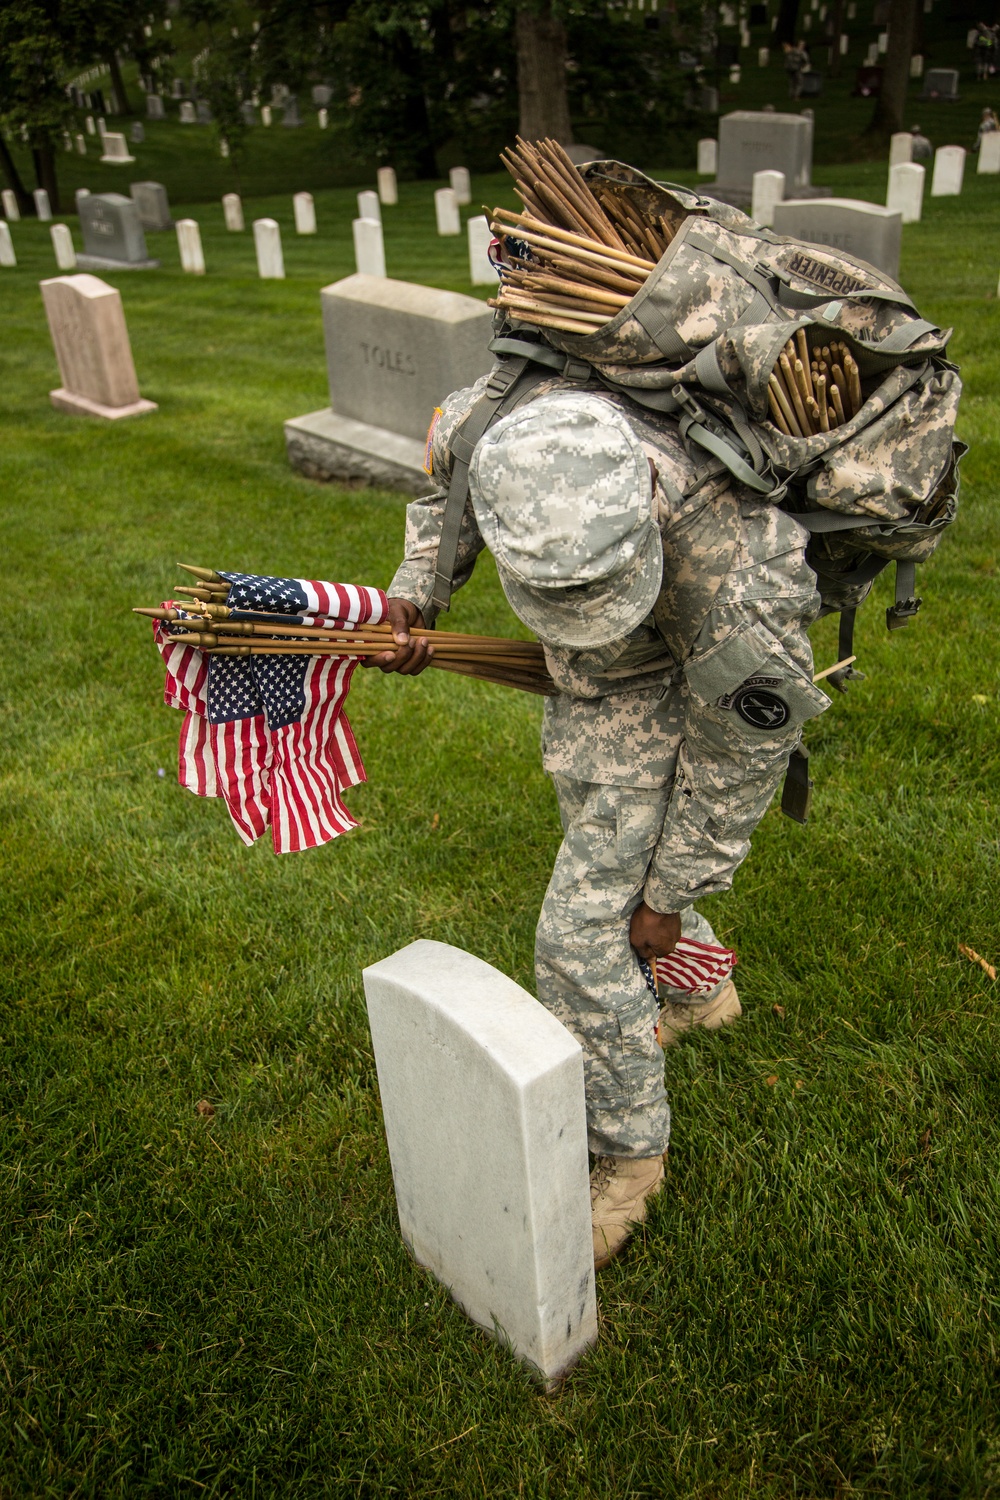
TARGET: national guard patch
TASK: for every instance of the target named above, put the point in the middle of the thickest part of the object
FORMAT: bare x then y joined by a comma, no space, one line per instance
429,448
761,708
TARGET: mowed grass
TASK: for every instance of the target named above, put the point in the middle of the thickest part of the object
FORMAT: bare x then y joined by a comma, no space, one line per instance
221,1304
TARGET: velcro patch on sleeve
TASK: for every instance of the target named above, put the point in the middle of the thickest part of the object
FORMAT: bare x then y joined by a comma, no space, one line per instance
429,448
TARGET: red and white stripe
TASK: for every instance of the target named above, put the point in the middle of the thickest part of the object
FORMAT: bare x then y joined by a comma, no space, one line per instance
292,779
340,605
696,968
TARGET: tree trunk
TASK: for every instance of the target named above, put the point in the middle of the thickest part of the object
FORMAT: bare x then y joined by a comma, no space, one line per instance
788,18
45,173
416,117
118,83
838,26
24,199
541,75
890,106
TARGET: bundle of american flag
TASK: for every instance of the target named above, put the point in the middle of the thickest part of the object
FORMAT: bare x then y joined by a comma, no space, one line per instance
264,724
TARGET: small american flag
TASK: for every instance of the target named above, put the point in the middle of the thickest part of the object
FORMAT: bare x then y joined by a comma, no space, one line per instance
269,734
696,968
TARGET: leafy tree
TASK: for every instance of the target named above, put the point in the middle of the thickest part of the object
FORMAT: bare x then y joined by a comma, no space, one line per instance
34,55
890,106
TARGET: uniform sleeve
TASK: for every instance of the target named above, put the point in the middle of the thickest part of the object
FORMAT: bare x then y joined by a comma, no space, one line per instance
748,692
414,578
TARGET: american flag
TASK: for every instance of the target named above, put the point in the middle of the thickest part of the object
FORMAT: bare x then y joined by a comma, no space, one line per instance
693,967
269,734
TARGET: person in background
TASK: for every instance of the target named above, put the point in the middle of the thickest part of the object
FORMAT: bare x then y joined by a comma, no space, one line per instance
922,148
987,125
796,63
984,50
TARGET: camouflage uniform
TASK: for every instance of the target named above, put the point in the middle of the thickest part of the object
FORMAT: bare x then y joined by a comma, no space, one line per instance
665,747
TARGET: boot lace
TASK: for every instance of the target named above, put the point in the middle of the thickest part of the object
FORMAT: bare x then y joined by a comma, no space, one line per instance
605,1168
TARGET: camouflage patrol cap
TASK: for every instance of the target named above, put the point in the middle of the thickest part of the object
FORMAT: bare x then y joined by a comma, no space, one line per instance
564,500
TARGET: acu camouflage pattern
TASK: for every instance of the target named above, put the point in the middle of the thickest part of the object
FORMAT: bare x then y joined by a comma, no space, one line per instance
562,495
661,781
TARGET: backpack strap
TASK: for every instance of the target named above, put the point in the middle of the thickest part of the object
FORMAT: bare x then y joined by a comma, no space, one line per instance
509,383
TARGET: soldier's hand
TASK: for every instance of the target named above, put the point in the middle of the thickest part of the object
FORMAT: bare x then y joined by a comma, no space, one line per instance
410,657
654,934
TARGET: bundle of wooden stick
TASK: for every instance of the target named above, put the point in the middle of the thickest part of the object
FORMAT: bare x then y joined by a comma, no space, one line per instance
205,621
576,256
813,392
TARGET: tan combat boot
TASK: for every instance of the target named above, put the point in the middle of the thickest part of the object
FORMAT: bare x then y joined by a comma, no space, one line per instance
676,1019
620,1187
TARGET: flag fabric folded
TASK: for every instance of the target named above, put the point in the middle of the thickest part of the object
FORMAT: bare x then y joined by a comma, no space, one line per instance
269,734
695,968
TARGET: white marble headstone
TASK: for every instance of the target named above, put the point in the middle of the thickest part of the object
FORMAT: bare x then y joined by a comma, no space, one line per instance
232,208
62,244
89,125
900,147
949,169
917,65
189,244
482,1096
388,191
369,247
768,189
461,184
42,207
323,119
449,220
188,114
305,213
79,195
369,206
989,153
116,150
265,114
10,208
906,190
763,56
708,157
267,243
81,146
7,256
480,235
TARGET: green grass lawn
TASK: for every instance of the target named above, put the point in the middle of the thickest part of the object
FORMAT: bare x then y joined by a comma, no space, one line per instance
221,1304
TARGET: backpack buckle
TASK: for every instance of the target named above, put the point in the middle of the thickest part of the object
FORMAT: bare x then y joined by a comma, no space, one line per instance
501,380
901,613
576,370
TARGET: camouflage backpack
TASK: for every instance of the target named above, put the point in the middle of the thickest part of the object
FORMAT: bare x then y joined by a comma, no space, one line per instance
699,342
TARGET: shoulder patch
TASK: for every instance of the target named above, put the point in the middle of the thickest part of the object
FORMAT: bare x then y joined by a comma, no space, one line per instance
429,447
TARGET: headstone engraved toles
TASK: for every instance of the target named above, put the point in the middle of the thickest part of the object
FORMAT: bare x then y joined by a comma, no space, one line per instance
394,351
750,142
150,199
112,234
91,341
864,230
482,1097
